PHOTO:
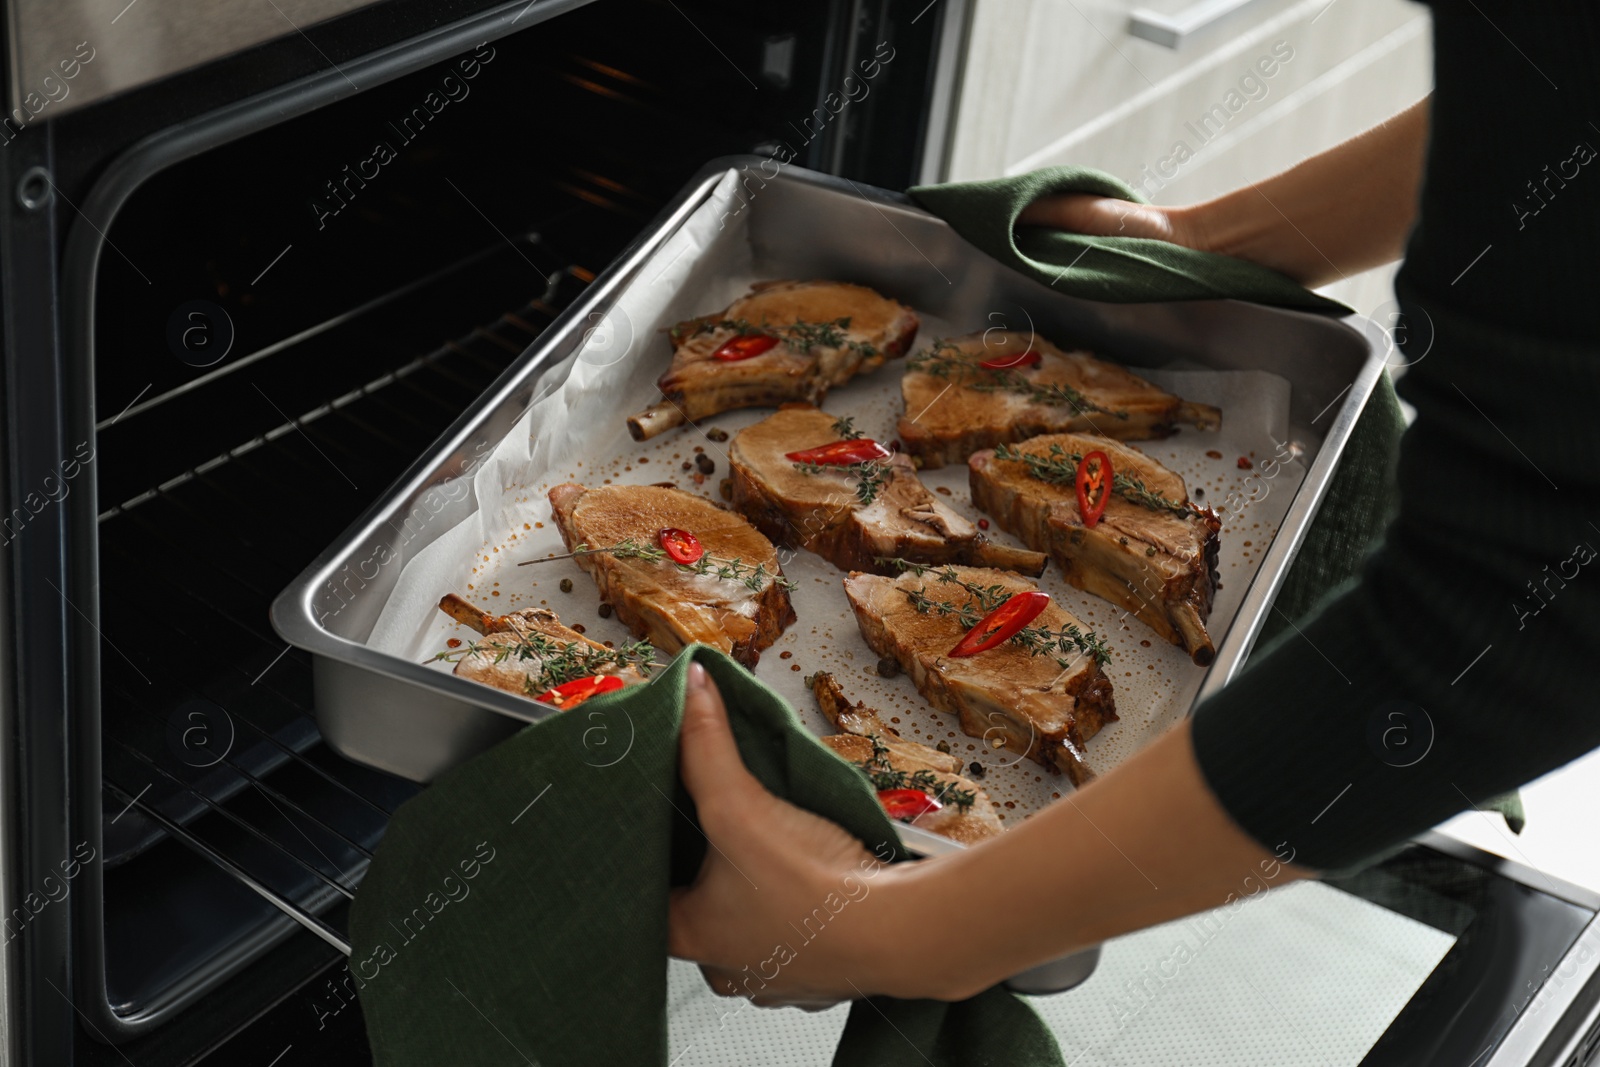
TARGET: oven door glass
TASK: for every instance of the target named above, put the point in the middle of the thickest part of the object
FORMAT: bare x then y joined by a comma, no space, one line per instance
1423,959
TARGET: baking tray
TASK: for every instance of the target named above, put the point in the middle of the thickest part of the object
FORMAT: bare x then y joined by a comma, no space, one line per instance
402,716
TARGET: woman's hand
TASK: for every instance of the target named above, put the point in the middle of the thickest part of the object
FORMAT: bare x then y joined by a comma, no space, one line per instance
1345,210
788,907
1105,216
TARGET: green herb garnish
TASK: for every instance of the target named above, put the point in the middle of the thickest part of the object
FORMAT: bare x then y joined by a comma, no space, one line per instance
733,569
560,661
946,360
1038,640
869,476
1060,467
845,427
884,776
798,335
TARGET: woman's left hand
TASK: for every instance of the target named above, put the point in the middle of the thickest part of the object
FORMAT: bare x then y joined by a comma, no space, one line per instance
788,908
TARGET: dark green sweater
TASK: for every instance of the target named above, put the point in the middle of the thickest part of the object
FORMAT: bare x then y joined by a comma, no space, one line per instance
1459,665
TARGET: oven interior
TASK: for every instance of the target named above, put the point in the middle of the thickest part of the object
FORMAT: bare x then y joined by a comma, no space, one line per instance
369,269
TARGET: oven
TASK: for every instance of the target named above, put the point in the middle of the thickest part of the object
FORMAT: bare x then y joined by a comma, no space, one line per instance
250,268
247,295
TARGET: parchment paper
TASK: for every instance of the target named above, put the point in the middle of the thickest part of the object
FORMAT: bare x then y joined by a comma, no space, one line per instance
575,431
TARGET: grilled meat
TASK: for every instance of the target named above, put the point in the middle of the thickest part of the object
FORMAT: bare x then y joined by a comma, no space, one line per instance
1032,704
823,512
1158,562
826,333
954,407
516,651
859,726
667,604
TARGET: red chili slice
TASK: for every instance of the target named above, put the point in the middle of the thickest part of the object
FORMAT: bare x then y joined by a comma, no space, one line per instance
745,346
842,453
1030,358
907,804
571,694
681,545
1001,624
1099,478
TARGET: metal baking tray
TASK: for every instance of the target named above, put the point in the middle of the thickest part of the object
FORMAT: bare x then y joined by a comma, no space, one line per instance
412,720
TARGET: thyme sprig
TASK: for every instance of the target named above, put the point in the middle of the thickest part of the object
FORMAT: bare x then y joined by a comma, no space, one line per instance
731,569
1061,468
559,661
868,475
1043,641
884,776
946,360
799,335
1057,644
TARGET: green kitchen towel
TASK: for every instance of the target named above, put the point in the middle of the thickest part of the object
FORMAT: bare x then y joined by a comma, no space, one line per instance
516,912
1118,270
1124,270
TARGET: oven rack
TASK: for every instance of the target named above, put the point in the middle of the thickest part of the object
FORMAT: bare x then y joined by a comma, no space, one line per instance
223,756
523,326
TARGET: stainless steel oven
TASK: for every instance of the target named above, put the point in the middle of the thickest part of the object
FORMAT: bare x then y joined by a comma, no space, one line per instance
247,276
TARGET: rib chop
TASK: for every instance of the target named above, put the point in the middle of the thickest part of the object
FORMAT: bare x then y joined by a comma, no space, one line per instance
1159,562
530,652
668,604
894,758
826,333
954,407
1031,703
823,512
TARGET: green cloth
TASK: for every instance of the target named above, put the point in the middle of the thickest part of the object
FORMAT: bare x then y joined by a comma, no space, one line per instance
1361,498
517,909
1118,270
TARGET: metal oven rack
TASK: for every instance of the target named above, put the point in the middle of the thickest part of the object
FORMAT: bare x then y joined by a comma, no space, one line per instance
207,736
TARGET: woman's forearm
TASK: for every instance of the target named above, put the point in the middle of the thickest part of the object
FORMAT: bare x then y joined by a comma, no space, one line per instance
1333,215
1146,844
